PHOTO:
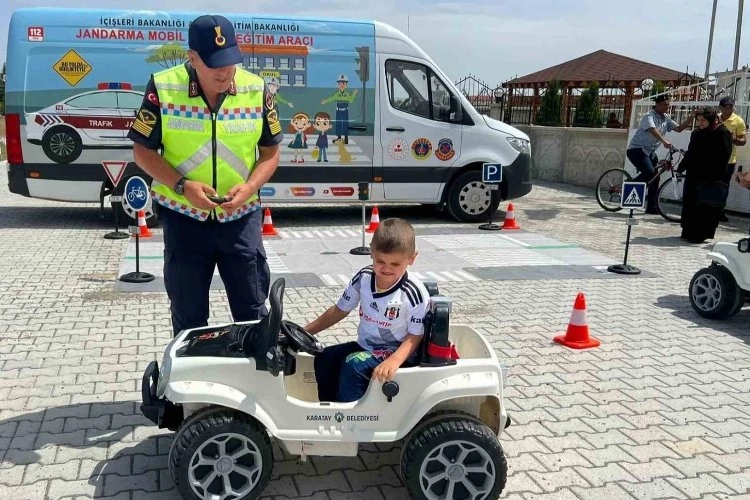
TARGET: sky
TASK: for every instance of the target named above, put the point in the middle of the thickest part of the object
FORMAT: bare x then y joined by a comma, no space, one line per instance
496,40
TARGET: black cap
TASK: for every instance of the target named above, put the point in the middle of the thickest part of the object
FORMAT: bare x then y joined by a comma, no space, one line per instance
726,101
661,98
213,38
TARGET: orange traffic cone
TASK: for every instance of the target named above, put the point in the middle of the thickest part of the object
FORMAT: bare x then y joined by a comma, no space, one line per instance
268,229
143,231
510,219
577,335
374,220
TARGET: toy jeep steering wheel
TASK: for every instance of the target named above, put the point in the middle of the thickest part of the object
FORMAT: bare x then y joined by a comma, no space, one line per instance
299,339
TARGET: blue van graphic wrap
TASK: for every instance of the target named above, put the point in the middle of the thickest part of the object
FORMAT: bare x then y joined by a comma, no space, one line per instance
86,71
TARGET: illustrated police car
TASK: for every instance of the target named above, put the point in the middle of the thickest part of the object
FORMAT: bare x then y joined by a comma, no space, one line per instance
97,119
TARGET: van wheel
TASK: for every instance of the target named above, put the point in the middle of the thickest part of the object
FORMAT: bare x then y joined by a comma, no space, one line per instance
62,144
454,457
714,293
221,454
470,200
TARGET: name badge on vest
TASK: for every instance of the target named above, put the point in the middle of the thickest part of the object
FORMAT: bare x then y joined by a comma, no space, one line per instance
241,127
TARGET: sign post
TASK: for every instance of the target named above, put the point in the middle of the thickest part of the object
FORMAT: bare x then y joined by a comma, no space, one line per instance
114,170
633,196
136,196
492,176
364,195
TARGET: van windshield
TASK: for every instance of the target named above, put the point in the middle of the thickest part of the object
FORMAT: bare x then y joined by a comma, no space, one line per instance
415,89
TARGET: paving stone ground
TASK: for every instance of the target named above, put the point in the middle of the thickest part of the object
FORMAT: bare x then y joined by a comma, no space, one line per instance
659,410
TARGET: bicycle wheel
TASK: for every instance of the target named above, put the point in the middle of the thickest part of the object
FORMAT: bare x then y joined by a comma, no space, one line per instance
609,188
669,202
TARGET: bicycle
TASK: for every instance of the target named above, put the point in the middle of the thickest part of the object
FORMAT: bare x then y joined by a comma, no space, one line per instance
669,197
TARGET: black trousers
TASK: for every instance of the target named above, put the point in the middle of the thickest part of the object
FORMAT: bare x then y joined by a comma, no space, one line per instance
193,249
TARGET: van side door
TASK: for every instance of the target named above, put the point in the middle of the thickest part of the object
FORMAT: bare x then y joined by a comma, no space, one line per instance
419,140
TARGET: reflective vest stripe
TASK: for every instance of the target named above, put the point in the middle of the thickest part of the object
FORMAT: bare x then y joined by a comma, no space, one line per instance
170,86
203,154
232,159
250,88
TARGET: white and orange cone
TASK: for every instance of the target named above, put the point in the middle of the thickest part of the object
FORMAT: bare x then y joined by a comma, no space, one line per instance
143,231
268,229
374,221
510,219
577,335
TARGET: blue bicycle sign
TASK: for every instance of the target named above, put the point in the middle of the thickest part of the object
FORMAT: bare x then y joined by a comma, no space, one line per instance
136,193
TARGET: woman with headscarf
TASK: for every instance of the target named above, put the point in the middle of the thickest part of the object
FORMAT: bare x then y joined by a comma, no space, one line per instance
705,164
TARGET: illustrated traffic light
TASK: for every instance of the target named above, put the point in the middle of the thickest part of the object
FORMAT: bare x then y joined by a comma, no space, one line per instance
364,63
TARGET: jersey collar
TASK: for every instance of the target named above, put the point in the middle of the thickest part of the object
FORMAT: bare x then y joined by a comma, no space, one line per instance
396,286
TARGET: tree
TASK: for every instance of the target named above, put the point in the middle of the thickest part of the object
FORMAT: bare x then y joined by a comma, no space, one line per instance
168,55
2,90
551,105
588,113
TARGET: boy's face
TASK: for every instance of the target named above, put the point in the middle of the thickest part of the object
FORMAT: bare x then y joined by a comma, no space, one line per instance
389,267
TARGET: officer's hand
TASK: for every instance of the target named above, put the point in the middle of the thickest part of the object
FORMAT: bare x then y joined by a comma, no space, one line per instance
196,192
239,194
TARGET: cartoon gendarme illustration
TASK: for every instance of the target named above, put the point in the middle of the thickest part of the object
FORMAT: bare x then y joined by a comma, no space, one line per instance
323,125
272,82
300,125
343,100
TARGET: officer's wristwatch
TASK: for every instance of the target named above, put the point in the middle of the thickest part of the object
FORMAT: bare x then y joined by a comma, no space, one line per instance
179,188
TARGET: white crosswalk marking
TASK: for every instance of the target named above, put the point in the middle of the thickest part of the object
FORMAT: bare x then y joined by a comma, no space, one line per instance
275,264
307,234
344,279
328,280
451,277
319,234
419,276
436,277
342,233
352,233
330,233
466,275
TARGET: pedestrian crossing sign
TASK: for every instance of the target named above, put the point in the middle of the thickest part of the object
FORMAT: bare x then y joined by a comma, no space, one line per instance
633,195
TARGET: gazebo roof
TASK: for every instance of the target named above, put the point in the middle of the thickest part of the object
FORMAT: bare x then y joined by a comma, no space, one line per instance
600,66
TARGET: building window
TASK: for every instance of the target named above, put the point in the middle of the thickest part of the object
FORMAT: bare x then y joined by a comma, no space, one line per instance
299,63
299,80
284,63
284,80
268,62
254,63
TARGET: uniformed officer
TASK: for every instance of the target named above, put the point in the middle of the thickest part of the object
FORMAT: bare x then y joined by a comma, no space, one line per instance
208,117
343,100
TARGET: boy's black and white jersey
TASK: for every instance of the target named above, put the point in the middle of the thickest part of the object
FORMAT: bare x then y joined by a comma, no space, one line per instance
385,318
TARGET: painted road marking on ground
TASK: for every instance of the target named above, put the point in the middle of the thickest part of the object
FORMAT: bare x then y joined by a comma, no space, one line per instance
275,264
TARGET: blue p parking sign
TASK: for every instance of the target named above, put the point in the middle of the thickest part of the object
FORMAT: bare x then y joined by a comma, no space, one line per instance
136,193
492,173
633,195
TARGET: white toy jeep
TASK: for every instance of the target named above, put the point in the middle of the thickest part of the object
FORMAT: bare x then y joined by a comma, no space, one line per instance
722,289
228,389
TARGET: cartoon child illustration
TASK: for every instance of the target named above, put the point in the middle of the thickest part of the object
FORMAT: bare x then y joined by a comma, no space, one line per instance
323,125
273,87
300,125
343,100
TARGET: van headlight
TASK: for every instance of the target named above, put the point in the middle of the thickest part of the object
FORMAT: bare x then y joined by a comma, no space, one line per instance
520,145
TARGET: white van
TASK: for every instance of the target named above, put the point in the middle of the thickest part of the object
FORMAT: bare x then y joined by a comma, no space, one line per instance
397,129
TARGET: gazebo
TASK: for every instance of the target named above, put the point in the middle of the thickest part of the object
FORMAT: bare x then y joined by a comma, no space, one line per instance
620,79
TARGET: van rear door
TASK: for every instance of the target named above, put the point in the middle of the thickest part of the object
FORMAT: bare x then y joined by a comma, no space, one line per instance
419,142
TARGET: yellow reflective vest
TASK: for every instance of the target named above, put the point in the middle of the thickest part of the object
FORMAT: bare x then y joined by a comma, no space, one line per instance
216,148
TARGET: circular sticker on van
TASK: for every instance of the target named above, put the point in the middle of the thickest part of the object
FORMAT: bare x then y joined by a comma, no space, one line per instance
397,149
421,149
445,149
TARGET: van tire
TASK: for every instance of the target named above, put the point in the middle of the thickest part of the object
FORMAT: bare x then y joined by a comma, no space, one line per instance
470,200
62,144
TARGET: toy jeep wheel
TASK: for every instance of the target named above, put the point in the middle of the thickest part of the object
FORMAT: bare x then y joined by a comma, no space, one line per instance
454,458
221,454
714,293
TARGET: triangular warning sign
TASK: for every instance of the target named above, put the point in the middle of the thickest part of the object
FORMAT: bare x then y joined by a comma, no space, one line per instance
633,199
114,170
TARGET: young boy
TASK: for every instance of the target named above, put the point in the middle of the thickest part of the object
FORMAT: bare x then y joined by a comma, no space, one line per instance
392,306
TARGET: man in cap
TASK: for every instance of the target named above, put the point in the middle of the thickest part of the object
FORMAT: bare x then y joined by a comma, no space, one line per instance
650,135
343,100
736,125
209,118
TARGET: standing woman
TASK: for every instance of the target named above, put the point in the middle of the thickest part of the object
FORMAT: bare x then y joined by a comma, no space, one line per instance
705,164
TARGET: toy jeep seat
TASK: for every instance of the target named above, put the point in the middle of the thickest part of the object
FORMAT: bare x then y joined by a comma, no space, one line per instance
435,348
